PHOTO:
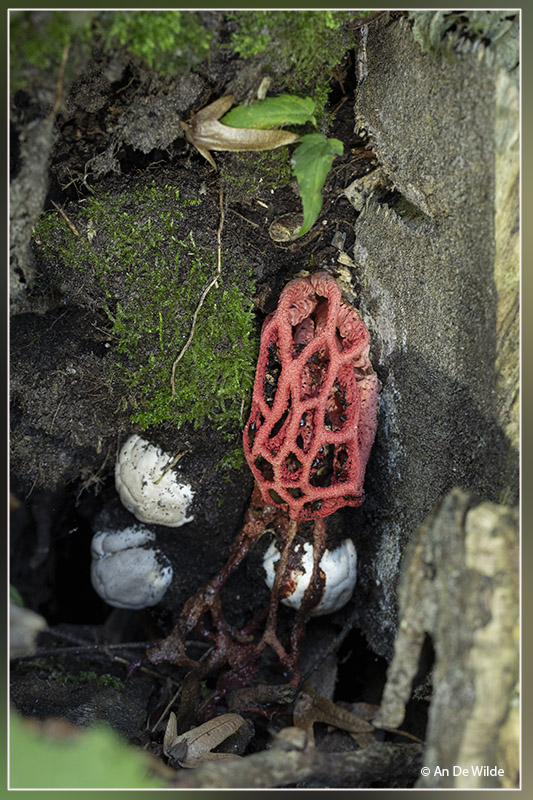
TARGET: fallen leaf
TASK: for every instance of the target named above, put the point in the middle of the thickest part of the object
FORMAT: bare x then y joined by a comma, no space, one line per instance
261,695
206,133
215,109
193,747
213,135
312,707
190,700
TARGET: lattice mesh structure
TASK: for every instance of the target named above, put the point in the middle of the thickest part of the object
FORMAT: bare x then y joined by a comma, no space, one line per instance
314,407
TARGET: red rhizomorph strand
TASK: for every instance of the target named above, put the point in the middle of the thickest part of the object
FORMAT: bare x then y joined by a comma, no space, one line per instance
314,406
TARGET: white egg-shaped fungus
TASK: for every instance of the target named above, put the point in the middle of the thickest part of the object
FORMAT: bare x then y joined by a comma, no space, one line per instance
148,486
124,572
339,567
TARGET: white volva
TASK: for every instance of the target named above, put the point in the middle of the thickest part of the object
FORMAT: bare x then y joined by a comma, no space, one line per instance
124,572
148,488
339,567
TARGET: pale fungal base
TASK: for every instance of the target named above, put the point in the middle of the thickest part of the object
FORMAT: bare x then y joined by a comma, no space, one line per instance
124,572
340,571
148,486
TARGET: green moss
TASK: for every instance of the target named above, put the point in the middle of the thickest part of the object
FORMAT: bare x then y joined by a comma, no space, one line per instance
168,41
37,41
55,670
260,31
104,680
252,173
307,45
151,274
215,373
232,461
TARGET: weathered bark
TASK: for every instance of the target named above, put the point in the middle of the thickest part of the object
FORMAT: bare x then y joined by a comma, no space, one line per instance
459,584
391,764
437,256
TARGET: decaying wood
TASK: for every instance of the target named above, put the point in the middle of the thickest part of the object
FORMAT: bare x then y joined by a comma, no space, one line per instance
459,584
28,192
507,264
396,765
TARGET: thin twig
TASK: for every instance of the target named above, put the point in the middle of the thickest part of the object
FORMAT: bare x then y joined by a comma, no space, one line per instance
71,225
55,415
167,707
339,105
160,676
32,488
59,85
171,464
249,221
204,294
87,649
59,317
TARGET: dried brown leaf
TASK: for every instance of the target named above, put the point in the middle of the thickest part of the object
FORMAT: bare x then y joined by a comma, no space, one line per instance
171,733
206,133
192,747
261,695
190,701
312,707
213,135
216,109
365,710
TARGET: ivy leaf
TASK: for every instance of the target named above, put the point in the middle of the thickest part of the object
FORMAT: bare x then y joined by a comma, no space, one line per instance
311,163
272,112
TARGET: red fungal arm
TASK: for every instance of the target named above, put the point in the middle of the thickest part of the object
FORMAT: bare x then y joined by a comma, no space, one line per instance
314,405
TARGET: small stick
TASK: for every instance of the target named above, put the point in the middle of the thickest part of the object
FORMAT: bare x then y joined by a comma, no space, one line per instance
59,85
245,218
167,707
55,415
71,225
172,464
204,294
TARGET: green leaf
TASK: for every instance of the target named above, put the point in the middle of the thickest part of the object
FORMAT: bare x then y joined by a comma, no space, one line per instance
272,112
15,596
311,163
94,758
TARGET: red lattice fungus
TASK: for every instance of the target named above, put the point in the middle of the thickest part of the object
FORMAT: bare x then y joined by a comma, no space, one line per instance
307,441
314,405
